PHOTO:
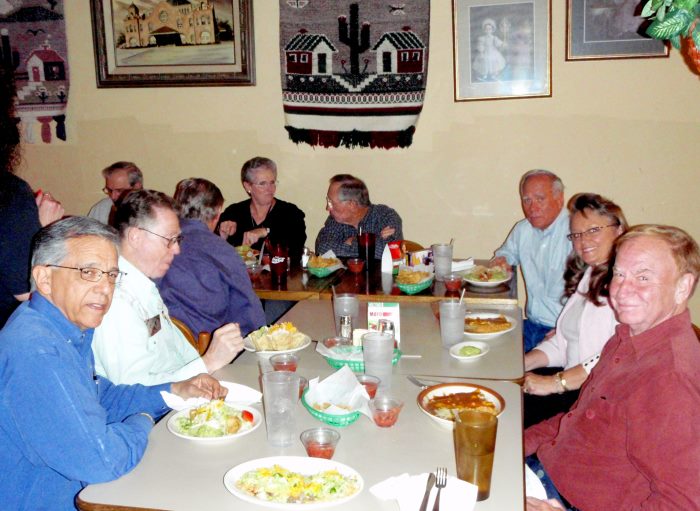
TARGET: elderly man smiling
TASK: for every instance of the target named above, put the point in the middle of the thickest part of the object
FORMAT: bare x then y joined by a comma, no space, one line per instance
538,244
62,427
631,439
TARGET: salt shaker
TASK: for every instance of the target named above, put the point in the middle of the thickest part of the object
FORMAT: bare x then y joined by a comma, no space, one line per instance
305,256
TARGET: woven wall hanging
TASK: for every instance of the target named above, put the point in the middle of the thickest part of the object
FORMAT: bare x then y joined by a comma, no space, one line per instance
353,73
33,44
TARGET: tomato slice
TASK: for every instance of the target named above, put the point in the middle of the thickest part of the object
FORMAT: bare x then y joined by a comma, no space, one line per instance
247,416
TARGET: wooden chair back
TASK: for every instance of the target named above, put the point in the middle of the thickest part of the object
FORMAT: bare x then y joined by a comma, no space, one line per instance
201,343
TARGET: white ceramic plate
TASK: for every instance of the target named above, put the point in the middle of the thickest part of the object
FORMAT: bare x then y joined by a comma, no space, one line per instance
444,389
248,345
300,464
454,350
481,283
175,430
488,315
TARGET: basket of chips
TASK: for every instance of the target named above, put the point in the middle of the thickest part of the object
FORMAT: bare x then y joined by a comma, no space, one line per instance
352,357
338,421
413,280
322,266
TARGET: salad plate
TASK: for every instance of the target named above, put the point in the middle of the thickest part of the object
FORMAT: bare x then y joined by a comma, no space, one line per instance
481,276
283,336
455,351
487,316
252,475
178,423
249,346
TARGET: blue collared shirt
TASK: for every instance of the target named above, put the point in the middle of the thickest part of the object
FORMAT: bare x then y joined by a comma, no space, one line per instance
61,426
541,255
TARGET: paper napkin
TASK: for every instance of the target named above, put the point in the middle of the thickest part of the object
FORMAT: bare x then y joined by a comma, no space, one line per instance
340,388
238,395
533,485
463,264
408,491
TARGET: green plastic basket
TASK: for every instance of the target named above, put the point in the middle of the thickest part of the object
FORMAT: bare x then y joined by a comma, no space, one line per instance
412,289
357,366
338,421
321,272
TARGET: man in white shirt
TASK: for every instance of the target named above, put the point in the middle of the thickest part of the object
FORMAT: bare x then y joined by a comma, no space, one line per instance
120,177
137,341
538,243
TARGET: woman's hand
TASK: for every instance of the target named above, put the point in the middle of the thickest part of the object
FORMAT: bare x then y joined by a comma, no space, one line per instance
50,209
227,228
252,237
540,385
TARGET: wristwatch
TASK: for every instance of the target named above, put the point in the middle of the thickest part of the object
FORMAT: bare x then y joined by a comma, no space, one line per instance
561,381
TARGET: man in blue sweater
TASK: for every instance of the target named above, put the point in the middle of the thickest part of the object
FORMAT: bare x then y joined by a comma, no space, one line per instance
61,426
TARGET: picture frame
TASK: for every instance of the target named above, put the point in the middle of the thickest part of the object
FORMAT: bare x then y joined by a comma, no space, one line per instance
502,49
206,43
598,29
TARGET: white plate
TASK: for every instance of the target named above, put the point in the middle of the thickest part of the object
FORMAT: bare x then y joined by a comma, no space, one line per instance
488,315
300,464
175,430
481,283
444,389
248,345
454,350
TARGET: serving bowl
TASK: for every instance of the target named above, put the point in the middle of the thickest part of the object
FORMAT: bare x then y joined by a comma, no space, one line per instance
444,389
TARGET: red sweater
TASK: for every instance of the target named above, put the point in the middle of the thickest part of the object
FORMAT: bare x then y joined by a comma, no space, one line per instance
632,440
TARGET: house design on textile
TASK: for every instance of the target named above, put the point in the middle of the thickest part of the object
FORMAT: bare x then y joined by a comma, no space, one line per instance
309,54
45,65
400,52
171,22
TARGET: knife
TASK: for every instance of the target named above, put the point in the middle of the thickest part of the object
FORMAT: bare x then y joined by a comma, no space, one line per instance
428,488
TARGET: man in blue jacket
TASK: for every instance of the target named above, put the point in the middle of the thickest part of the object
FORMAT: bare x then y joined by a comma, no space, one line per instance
61,426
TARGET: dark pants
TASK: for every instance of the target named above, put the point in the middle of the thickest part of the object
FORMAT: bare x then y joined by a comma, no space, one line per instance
552,493
538,408
533,333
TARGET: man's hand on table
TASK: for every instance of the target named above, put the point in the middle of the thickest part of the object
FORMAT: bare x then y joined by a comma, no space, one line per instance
534,504
201,385
225,344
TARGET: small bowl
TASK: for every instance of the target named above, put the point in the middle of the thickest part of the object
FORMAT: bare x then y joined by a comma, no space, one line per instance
332,342
303,383
453,282
385,410
320,442
370,383
356,265
284,362
254,271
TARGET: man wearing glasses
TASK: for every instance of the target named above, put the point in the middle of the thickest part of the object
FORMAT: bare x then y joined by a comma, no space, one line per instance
137,341
61,426
120,177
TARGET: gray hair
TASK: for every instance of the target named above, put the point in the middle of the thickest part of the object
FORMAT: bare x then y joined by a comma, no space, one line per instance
351,189
50,244
250,167
198,198
133,173
138,209
557,184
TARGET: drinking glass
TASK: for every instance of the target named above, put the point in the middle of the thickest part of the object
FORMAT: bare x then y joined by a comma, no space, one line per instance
378,352
452,322
365,245
346,304
280,395
475,444
442,259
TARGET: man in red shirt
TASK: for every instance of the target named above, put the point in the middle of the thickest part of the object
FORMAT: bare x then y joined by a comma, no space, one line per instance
631,439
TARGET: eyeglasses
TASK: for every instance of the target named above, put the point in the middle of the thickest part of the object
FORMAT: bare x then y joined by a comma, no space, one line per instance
171,241
264,184
93,274
590,232
331,203
110,191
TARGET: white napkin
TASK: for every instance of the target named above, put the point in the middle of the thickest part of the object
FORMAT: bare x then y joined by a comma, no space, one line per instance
238,395
408,491
341,353
340,388
533,485
462,265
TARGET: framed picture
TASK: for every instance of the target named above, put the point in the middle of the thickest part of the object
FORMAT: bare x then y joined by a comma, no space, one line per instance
167,44
609,29
502,49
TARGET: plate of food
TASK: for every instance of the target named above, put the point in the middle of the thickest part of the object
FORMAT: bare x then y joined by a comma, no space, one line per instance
439,401
482,276
214,422
320,266
294,482
412,281
487,325
469,350
279,338
249,255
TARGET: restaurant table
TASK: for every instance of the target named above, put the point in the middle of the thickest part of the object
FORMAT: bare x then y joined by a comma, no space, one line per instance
375,286
420,341
182,475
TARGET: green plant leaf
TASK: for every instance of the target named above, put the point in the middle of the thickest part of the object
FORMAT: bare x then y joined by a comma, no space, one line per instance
696,37
649,8
676,42
675,23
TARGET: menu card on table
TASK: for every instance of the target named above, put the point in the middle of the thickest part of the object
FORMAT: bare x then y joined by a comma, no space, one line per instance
384,310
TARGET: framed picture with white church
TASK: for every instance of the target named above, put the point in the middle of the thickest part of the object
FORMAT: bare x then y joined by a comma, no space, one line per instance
173,43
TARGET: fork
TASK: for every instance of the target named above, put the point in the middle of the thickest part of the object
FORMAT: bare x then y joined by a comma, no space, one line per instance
440,483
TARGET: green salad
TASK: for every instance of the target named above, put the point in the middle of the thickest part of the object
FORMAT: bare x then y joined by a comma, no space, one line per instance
278,484
214,419
484,274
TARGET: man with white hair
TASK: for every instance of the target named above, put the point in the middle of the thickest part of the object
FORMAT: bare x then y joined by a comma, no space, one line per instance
120,178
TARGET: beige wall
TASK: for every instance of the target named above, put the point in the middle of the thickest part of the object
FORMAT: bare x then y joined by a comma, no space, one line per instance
624,128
